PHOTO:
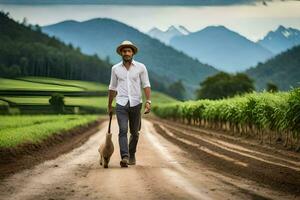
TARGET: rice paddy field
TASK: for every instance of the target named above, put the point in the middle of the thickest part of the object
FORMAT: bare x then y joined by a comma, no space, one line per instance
33,93
12,84
71,84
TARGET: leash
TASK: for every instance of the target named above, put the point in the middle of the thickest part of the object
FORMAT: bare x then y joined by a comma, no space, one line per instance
110,116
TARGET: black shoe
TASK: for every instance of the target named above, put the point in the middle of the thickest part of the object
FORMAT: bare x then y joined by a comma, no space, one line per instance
124,162
132,160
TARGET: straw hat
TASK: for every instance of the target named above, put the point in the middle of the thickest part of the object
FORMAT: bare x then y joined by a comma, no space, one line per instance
126,43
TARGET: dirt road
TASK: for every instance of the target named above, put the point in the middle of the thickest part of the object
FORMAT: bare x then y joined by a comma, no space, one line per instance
169,166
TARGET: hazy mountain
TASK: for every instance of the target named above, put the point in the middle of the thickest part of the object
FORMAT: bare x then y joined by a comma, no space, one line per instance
102,35
281,39
165,36
134,2
283,70
222,48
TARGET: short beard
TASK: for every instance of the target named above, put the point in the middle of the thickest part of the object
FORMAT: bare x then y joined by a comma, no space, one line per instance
127,60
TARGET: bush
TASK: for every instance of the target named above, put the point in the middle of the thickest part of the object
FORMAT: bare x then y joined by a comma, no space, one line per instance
57,102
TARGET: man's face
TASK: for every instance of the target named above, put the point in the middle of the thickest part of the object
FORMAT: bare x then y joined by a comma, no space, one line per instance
127,53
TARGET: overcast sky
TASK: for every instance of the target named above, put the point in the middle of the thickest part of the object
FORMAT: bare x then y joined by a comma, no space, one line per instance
252,21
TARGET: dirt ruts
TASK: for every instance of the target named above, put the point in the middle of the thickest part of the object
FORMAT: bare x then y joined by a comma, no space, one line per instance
234,158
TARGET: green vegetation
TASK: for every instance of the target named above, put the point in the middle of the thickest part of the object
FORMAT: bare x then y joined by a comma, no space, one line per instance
3,103
57,102
271,87
82,85
12,84
96,102
16,130
159,98
28,100
224,85
31,97
282,70
177,90
270,117
26,51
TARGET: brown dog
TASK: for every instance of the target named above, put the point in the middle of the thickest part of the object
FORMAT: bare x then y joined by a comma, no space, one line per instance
106,150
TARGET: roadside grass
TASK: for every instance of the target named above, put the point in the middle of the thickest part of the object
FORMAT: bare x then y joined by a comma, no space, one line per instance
15,130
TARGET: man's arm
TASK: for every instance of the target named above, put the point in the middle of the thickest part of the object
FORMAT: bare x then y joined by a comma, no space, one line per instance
111,96
112,89
147,91
146,83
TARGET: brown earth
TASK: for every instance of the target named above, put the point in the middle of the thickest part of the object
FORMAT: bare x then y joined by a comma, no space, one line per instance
174,161
27,155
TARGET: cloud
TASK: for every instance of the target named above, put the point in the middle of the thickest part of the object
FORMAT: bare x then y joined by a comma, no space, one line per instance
137,2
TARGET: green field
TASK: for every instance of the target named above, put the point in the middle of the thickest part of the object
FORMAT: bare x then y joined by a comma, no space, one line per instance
41,84
15,130
158,98
10,84
82,85
3,103
268,116
97,102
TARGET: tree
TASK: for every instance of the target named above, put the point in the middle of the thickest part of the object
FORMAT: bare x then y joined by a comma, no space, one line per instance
38,28
25,51
10,72
25,21
272,87
177,90
224,85
107,59
57,102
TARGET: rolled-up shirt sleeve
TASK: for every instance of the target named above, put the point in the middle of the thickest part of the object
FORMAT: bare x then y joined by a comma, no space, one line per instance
113,80
145,78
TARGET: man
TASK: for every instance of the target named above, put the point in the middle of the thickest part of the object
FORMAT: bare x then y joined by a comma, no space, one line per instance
127,78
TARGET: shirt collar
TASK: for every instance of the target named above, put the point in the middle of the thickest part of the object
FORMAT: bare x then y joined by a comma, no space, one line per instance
133,62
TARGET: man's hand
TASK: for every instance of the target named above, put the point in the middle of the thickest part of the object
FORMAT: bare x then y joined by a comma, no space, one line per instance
147,108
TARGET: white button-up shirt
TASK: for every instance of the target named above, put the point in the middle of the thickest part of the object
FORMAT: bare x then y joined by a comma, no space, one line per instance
128,83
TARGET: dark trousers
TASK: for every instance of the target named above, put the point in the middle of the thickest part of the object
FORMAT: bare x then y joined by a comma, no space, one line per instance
133,115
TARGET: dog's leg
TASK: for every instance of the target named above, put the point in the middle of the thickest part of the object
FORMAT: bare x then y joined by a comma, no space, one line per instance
101,159
105,163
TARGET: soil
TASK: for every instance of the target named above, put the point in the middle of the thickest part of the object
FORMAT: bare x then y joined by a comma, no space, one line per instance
173,161
28,155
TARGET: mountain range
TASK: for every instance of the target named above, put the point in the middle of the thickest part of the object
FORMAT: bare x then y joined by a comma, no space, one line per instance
283,70
165,36
281,39
222,48
225,49
102,35
26,51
